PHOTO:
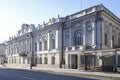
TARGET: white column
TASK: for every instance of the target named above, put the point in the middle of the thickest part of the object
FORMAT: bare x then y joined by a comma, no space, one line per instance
78,61
84,33
67,61
42,45
37,45
20,47
116,37
70,60
56,39
94,34
103,36
110,37
48,41
70,37
28,45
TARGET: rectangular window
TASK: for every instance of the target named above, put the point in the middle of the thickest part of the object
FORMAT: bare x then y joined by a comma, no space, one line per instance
14,60
113,42
19,60
40,46
40,60
45,60
119,42
17,50
35,46
53,43
45,45
30,47
28,61
53,60
89,38
105,38
23,60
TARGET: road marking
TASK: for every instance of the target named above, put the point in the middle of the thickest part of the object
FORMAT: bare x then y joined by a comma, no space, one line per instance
26,77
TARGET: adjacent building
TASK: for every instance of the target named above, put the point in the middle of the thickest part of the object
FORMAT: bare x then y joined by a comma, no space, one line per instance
2,54
84,40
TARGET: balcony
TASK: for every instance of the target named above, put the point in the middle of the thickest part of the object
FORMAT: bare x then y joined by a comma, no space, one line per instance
74,48
24,53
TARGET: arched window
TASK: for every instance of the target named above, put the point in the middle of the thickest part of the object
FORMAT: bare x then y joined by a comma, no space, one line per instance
53,40
78,38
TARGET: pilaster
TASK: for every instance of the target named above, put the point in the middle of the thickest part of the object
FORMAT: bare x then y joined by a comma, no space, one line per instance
110,38
93,34
56,45
84,33
48,41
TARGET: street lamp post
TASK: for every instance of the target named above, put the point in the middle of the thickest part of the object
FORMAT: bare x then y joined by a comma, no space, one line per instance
30,50
30,56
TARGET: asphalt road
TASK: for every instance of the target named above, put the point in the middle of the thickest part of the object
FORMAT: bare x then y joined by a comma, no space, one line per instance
11,74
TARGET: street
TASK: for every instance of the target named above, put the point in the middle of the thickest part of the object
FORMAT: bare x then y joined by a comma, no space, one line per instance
12,74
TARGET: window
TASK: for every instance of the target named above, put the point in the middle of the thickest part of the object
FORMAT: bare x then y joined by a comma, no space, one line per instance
113,42
9,61
40,46
23,60
78,38
45,60
105,38
14,60
88,39
19,60
28,60
17,50
53,60
45,45
53,43
35,46
40,60
119,41
30,47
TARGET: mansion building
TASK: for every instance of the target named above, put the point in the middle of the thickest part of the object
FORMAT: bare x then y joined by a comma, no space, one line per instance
84,40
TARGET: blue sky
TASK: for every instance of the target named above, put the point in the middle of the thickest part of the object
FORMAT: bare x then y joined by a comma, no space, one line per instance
13,13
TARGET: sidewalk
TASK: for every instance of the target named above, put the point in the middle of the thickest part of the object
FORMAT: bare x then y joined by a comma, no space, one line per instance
75,71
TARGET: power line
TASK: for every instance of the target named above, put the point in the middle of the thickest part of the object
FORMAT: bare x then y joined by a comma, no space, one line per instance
81,4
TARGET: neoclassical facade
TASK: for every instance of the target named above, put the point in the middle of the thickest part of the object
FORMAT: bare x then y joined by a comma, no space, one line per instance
91,38
86,39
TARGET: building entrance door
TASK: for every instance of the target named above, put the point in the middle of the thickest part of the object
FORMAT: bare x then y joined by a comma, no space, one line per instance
76,62
87,62
72,61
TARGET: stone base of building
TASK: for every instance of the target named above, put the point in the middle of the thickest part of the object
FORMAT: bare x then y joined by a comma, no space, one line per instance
18,66
48,66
